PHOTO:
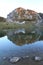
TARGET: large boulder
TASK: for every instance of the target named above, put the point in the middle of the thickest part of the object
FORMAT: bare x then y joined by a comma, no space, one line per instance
21,14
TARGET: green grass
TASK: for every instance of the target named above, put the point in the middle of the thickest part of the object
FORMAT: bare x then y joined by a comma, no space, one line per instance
6,25
27,26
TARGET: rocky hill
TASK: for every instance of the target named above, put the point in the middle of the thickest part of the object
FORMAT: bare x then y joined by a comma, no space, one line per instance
41,15
20,14
2,19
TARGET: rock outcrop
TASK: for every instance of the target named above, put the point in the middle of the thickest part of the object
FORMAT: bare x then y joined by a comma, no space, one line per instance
41,15
21,14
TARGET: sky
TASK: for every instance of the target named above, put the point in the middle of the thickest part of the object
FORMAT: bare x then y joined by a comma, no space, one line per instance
7,6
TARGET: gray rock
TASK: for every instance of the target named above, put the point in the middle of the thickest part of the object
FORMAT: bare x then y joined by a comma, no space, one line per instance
14,59
37,58
4,58
24,57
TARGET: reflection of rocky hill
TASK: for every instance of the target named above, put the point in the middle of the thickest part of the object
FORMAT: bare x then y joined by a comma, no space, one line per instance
20,14
22,38
2,33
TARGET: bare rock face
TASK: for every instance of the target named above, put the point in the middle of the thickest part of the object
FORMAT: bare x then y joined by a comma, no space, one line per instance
21,14
41,15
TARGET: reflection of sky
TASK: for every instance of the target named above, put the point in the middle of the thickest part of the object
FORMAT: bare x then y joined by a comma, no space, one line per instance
5,44
7,47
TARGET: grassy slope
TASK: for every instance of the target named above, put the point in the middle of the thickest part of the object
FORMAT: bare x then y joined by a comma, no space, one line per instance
6,25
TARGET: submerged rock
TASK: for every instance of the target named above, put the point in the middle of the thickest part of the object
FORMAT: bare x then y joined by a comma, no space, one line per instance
37,58
24,57
14,59
4,58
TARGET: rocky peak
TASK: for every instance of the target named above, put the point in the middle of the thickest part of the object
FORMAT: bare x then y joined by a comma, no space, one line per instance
21,14
20,9
31,12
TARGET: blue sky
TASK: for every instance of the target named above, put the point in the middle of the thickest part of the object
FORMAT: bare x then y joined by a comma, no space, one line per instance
7,6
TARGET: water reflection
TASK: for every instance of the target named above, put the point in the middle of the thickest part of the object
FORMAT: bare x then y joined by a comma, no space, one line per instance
7,48
21,38
20,43
2,33
19,31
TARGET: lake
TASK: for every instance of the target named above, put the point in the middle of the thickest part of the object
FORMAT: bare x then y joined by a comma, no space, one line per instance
21,43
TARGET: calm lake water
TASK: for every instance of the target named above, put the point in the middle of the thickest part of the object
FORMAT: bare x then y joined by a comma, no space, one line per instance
20,43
